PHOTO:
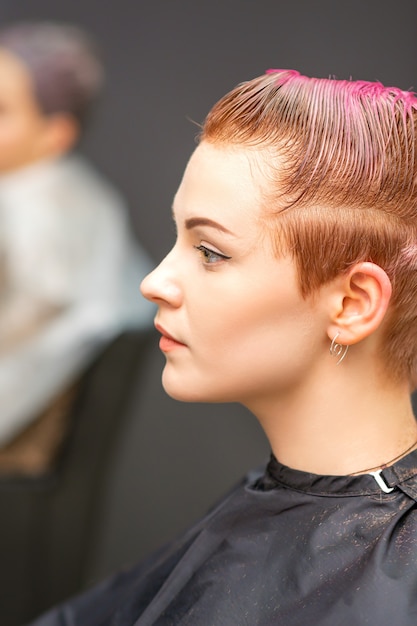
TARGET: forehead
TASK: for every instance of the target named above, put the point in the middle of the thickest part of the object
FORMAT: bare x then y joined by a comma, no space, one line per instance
220,179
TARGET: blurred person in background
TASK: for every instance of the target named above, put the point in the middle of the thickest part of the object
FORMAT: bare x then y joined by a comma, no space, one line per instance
70,267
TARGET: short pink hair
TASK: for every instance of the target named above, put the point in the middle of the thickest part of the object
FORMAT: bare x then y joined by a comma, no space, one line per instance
341,173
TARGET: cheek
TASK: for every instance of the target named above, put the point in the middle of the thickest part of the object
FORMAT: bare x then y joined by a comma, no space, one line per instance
266,348
252,318
240,347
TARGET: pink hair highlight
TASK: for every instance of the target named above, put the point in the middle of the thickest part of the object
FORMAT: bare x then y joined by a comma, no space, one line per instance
340,182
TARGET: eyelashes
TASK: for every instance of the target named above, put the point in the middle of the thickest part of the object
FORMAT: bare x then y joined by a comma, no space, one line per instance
209,256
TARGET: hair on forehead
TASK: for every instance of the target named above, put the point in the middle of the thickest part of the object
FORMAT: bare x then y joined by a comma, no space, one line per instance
340,181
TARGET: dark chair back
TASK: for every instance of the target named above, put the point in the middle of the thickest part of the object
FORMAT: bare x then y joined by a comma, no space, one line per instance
48,524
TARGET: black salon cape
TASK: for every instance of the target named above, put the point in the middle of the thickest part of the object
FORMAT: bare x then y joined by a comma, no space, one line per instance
287,548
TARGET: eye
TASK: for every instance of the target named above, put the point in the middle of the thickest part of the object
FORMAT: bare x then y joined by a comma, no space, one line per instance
210,257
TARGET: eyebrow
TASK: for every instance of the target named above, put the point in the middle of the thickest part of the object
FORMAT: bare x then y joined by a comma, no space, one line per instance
193,222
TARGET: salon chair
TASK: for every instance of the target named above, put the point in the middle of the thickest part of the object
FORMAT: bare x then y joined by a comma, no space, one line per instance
48,523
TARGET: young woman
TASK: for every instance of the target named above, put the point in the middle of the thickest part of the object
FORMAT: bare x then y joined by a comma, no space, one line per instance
292,288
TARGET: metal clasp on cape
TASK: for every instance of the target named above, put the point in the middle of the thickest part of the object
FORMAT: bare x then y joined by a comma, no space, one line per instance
381,482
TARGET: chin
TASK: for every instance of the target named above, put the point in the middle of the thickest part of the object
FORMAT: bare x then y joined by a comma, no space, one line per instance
183,395
180,390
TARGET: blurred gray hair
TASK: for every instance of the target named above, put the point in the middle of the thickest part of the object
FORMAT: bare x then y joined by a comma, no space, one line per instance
63,63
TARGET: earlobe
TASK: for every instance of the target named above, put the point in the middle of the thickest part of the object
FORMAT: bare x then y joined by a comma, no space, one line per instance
361,298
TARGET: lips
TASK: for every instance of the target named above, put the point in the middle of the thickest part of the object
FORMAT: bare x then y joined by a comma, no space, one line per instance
167,343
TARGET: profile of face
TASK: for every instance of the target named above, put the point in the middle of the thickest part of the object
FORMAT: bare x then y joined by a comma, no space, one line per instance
23,128
234,324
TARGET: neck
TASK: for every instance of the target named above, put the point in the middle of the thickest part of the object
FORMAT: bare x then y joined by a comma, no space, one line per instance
340,424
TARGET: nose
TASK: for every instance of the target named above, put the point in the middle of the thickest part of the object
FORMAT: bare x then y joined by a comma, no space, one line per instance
160,286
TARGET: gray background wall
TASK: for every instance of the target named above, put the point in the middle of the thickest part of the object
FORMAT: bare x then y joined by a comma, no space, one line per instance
168,61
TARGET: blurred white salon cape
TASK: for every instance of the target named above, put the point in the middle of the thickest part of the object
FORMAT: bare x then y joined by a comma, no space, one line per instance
70,271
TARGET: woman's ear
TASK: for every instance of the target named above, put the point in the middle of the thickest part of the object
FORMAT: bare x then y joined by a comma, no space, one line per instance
359,300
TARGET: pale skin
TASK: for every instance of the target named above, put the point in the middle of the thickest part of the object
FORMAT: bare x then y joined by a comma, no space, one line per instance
235,328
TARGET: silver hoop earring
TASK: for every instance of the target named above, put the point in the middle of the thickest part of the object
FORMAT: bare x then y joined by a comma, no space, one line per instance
338,350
